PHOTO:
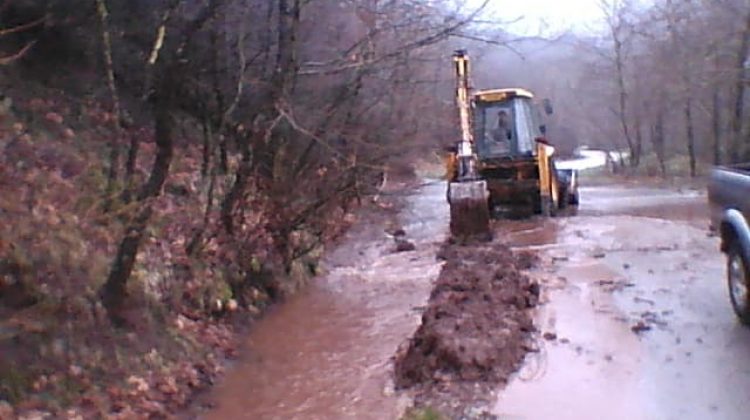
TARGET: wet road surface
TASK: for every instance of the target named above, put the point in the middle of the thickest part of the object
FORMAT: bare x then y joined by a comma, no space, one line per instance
638,314
326,353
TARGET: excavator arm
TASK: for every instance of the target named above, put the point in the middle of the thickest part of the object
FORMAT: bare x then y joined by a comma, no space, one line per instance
467,193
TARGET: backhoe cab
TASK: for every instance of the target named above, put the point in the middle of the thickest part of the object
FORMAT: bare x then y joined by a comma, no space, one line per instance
514,157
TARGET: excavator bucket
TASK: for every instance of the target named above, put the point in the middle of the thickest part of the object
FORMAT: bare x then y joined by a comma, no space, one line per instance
470,213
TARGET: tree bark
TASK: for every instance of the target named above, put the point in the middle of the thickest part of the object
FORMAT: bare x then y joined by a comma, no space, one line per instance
635,159
114,157
114,291
657,140
690,135
216,125
262,156
716,125
238,188
207,147
130,164
622,93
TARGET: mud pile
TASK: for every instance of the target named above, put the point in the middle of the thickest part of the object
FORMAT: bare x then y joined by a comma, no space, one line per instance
477,327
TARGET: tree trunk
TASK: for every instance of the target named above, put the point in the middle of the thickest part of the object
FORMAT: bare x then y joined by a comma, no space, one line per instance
217,123
623,96
716,125
690,135
130,164
635,159
114,156
114,291
223,155
207,147
263,155
657,139
238,188
193,245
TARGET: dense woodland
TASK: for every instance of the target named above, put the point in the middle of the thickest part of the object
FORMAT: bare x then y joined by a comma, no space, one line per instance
675,77
166,160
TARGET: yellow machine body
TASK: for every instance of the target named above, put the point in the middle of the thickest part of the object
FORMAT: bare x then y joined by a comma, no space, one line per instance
512,157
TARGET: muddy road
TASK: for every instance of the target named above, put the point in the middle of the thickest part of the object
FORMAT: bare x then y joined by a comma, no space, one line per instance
637,319
634,323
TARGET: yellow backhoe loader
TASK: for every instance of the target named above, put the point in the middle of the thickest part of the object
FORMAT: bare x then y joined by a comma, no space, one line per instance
503,165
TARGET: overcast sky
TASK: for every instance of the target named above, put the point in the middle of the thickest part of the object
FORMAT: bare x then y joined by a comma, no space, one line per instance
547,15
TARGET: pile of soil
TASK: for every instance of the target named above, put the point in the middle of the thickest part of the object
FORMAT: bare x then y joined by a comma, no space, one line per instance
476,330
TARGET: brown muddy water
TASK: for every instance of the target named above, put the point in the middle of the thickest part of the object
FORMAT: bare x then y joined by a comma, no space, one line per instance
326,353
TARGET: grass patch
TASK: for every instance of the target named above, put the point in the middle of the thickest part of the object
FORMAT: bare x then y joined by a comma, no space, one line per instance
425,413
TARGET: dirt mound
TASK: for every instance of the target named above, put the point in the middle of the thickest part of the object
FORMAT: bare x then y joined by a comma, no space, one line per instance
478,325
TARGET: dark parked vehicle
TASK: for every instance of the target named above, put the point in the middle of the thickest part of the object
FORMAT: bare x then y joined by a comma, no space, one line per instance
568,187
729,197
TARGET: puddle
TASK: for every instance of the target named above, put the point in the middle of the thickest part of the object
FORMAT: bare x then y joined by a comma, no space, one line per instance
578,365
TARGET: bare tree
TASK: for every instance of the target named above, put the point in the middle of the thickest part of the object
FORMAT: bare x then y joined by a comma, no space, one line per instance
167,89
616,18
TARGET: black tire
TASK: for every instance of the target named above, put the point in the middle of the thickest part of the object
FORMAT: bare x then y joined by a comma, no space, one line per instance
738,282
564,198
536,205
573,198
548,207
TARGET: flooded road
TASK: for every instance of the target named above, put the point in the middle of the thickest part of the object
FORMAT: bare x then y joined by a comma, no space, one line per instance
326,353
637,317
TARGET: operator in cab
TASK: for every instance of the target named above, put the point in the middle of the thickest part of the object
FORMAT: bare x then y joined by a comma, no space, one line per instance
502,133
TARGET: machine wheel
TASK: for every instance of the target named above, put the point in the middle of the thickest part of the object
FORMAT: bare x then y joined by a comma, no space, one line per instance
547,207
544,206
554,208
738,279
536,205
573,198
564,198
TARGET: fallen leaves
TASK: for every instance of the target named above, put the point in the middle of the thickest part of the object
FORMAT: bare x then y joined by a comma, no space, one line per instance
6,410
55,224
54,117
139,384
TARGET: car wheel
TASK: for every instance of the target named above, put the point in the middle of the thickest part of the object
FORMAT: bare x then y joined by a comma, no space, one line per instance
738,276
573,198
